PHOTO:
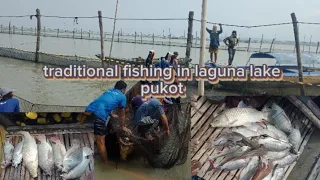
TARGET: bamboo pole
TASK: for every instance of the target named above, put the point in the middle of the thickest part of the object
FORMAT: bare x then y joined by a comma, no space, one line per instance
310,44
297,43
306,111
271,45
203,43
114,28
310,104
261,43
317,47
101,38
22,30
153,38
135,37
189,36
81,33
195,44
38,34
58,32
141,37
118,36
248,49
10,27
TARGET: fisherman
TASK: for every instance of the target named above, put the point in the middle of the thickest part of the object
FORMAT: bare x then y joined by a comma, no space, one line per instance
7,102
164,63
149,58
101,110
136,102
148,116
174,60
214,42
231,41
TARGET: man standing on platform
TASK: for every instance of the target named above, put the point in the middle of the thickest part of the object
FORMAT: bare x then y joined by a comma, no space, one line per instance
101,109
231,41
214,42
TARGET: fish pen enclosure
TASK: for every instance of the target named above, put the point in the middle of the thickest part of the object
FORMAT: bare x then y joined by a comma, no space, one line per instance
209,159
67,131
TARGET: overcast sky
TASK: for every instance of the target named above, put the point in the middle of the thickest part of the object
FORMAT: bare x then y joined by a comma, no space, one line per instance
244,12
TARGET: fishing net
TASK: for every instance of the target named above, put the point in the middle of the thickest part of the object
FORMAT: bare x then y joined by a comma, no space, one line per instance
164,151
27,106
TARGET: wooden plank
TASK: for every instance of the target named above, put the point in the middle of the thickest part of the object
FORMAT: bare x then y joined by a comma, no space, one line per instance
207,124
203,119
200,102
200,113
315,169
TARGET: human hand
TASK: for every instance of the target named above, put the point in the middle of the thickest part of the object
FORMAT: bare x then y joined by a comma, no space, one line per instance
114,115
125,129
262,171
168,132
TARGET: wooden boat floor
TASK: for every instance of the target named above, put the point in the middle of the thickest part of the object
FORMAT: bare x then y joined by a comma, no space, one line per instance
85,137
202,133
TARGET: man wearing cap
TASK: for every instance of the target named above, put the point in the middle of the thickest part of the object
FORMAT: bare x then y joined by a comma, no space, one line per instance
148,116
101,110
231,41
7,102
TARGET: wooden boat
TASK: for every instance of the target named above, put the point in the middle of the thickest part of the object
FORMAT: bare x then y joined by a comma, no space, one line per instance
284,61
139,60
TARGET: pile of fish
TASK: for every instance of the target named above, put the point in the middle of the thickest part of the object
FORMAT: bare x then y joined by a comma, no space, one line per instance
259,143
47,154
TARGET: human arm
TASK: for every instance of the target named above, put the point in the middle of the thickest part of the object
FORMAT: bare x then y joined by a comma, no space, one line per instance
220,32
122,114
17,108
225,41
208,30
164,121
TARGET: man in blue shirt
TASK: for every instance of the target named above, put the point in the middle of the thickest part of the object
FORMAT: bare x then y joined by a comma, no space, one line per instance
7,102
214,42
164,63
101,109
149,114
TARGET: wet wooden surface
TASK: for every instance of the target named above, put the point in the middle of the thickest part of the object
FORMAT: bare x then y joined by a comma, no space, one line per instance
202,133
85,137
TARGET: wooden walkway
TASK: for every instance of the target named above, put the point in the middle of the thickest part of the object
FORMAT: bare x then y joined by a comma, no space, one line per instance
86,138
202,133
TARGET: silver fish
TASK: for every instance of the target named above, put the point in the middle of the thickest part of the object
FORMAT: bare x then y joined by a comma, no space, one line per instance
280,119
80,169
239,116
274,132
225,152
234,164
273,145
246,131
228,137
17,154
8,153
30,153
274,155
295,139
278,174
46,161
73,156
289,159
59,152
250,169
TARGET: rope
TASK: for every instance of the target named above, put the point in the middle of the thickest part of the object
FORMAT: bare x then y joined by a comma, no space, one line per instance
114,28
243,26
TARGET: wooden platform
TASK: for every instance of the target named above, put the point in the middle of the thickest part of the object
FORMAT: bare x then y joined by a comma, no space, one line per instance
202,133
86,138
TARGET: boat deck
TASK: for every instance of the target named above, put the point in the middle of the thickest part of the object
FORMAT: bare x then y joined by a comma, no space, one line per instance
86,138
202,133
